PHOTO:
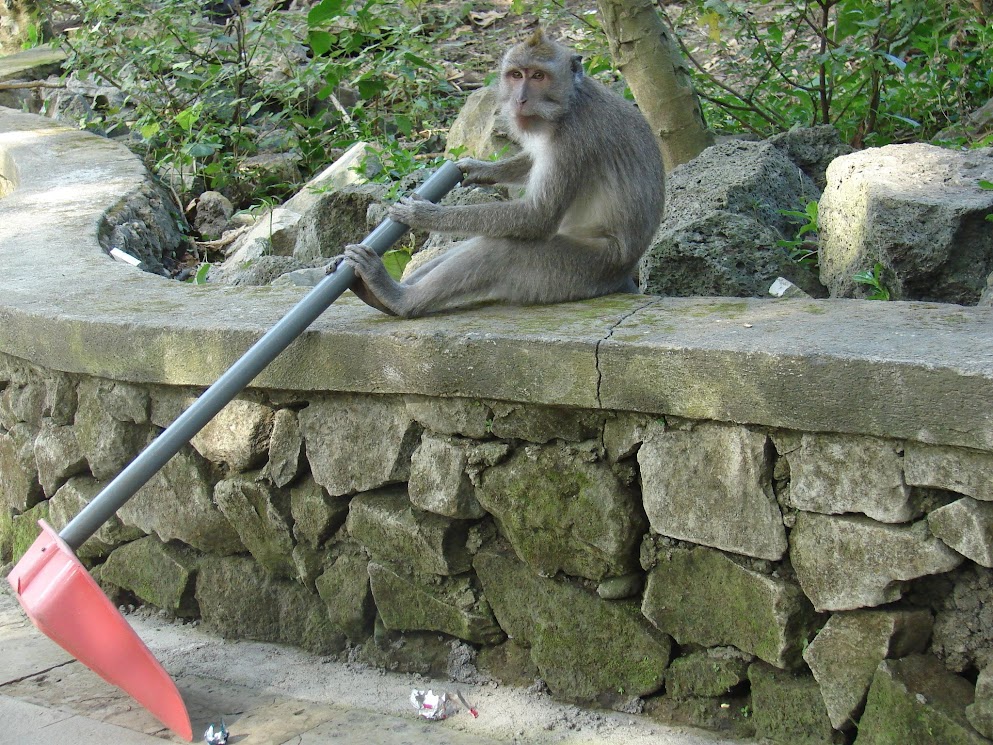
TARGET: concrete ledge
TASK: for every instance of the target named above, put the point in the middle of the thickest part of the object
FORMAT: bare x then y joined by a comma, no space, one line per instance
904,370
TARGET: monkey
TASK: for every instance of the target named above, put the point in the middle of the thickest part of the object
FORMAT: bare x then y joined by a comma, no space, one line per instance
593,198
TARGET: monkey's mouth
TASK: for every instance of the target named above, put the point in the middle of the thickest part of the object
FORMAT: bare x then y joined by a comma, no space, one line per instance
527,122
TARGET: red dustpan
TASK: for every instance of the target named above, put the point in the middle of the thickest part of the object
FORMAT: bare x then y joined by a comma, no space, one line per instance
57,592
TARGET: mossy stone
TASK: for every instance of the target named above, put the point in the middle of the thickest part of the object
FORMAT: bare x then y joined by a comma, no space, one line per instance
788,709
586,648
162,574
916,701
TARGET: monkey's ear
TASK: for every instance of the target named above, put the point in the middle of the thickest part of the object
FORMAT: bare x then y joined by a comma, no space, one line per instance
576,64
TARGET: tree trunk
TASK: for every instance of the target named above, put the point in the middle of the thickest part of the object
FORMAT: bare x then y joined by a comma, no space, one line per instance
650,61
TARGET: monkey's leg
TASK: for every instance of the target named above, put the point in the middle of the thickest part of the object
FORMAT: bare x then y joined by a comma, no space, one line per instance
458,285
488,269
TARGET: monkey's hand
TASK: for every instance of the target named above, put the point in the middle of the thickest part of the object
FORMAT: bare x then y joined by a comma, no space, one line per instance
475,171
336,261
417,213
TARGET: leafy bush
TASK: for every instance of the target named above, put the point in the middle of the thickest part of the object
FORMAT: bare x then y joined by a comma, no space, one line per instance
879,71
208,85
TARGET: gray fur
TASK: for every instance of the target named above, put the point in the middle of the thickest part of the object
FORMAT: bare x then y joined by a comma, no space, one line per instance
593,199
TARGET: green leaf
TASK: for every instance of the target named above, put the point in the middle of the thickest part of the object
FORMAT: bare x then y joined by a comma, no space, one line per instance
419,61
149,130
200,149
900,64
984,184
404,124
325,11
395,261
370,87
200,278
320,42
188,117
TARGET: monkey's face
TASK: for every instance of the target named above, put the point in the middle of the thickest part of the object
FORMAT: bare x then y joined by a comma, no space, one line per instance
533,95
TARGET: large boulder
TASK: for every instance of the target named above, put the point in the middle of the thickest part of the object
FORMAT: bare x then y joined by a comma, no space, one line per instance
344,588
261,516
846,652
57,455
336,219
316,514
19,485
917,210
177,504
723,219
787,708
407,601
162,574
240,600
960,470
110,425
238,436
980,713
835,474
812,149
443,471
966,526
70,500
386,525
480,131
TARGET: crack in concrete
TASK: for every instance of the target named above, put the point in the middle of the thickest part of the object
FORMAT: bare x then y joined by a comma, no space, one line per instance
35,674
610,333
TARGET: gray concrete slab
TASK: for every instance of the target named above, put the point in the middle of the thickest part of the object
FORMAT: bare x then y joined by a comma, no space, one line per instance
25,723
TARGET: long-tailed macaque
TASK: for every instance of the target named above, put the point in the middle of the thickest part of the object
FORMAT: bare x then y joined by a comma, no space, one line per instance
593,198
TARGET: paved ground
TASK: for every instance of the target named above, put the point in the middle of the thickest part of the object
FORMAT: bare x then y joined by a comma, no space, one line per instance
273,695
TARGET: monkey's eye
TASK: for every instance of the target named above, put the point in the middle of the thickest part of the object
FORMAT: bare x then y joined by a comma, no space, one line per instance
516,74
538,76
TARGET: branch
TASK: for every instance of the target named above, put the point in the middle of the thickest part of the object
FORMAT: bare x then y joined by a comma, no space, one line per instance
30,84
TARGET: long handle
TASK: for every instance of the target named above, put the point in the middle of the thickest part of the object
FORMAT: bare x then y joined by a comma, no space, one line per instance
241,373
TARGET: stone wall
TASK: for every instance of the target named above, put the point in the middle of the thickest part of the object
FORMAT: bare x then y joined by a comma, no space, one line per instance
768,517
620,557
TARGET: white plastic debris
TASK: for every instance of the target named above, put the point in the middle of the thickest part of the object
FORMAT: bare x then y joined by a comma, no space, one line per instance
217,736
431,705
123,257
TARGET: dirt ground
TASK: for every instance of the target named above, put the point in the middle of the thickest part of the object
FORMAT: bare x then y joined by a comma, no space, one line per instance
268,694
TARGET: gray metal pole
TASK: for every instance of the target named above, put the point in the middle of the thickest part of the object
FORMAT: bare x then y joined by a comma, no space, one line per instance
241,373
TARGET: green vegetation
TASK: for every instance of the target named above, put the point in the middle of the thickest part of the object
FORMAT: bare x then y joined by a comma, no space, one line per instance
881,72
874,279
803,250
210,90
208,86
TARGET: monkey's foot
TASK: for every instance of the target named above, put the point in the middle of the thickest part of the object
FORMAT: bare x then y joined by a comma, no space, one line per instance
373,283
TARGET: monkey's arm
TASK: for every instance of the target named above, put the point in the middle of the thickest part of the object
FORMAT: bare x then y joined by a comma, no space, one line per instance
513,170
525,219
536,215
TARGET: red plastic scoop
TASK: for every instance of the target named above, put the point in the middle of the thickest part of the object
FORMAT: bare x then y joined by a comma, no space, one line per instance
68,606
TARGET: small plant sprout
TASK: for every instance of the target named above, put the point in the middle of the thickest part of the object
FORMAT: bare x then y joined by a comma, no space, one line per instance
874,279
802,250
